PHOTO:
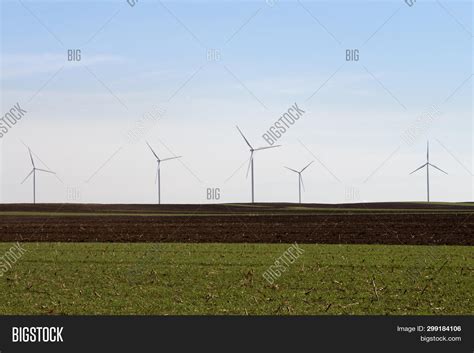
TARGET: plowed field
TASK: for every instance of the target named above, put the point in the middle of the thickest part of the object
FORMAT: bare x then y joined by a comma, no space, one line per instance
374,223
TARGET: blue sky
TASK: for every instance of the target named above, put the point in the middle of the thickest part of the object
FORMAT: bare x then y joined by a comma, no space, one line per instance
135,59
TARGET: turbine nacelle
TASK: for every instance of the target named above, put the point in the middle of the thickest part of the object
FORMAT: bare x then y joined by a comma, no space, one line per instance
252,151
33,172
427,165
300,178
158,158
157,176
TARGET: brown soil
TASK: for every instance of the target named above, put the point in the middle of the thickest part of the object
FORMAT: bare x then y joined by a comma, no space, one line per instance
381,223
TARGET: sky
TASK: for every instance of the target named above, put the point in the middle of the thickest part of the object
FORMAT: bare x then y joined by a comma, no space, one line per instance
182,74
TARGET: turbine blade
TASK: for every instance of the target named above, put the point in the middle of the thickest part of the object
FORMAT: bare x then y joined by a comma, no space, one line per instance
441,170
250,163
302,184
44,170
264,148
156,175
27,176
292,170
427,151
31,157
417,169
152,151
248,143
306,166
167,159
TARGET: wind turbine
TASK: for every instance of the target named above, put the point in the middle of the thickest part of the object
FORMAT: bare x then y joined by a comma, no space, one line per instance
157,178
250,167
300,178
33,171
427,165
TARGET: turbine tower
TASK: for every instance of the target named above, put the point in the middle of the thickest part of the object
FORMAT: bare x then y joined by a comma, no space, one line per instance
157,178
427,165
300,179
33,171
250,167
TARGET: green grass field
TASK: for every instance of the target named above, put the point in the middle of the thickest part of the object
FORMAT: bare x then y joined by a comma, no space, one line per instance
98,278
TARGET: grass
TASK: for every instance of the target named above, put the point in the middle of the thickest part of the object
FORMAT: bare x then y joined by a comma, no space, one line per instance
99,278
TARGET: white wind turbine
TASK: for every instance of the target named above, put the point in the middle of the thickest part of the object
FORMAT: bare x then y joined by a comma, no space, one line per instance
250,167
427,165
157,178
33,171
300,178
